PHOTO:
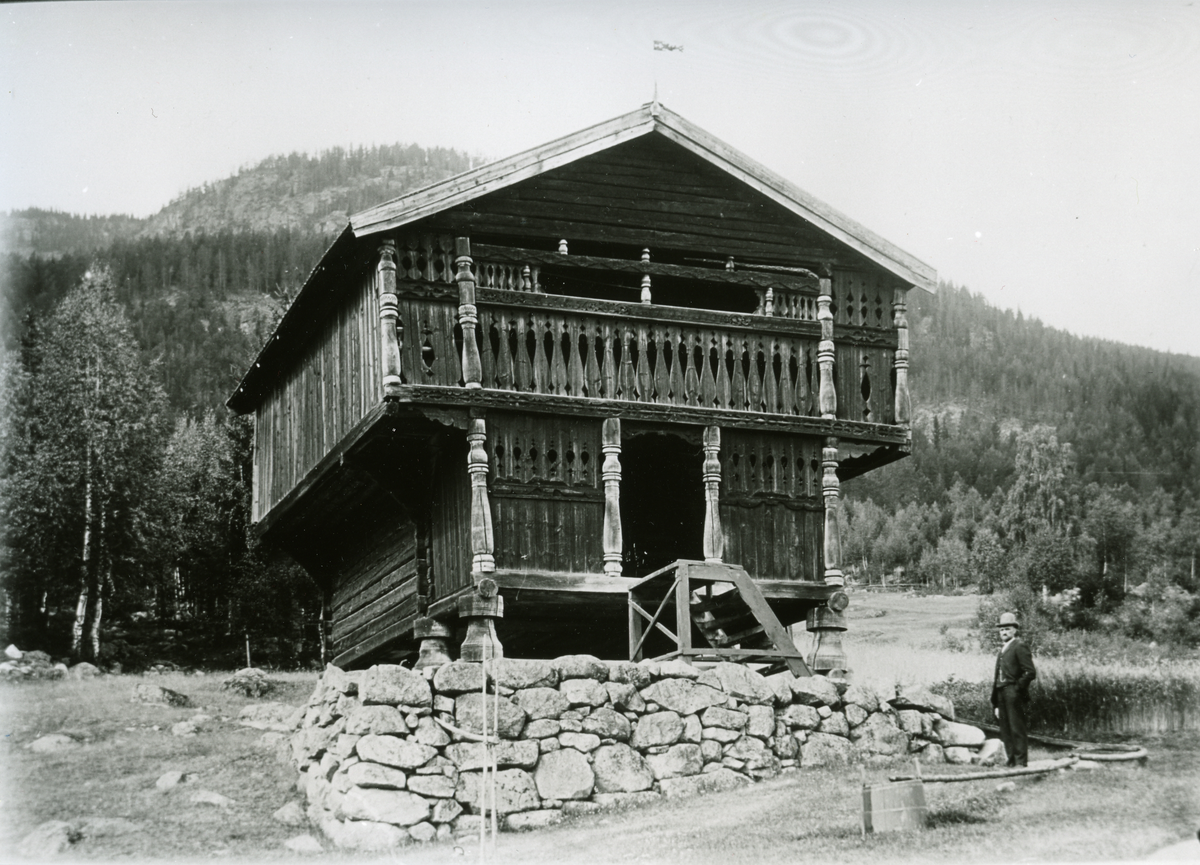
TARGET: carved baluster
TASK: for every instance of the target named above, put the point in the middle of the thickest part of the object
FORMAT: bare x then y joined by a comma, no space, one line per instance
644,393
740,357
562,247
487,356
482,560
610,438
714,537
593,340
389,318
678,350
754,385
646,278
903,402
769,301
523,367
724,361
558,364
608,372
826,395
787,393
691,376
830,490
541,366
505,379
662,374
628,375
710,358
468,316
574,361
770,383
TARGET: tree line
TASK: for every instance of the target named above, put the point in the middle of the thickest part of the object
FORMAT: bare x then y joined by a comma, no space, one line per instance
1060,474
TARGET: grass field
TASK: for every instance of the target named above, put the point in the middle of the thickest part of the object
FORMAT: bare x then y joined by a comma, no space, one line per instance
1116,813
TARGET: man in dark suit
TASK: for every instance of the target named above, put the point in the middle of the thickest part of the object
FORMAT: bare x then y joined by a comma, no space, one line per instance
1010,690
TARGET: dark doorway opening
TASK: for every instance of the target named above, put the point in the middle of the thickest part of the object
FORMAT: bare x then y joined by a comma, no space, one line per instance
662,501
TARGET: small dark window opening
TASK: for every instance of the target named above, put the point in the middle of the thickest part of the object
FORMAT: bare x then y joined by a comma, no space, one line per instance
662,502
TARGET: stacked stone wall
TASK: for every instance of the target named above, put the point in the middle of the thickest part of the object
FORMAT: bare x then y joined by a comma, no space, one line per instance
390,755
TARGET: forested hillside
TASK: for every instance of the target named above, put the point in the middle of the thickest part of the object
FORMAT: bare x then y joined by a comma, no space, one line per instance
1060,472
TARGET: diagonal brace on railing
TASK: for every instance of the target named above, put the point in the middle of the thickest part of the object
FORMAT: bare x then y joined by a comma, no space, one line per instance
654,622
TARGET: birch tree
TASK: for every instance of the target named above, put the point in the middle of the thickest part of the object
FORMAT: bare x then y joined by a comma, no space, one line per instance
91,443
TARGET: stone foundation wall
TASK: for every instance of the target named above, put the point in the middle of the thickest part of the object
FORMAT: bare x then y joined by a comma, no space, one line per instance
386,755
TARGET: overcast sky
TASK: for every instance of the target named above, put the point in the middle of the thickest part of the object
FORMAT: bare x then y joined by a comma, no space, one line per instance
1046,155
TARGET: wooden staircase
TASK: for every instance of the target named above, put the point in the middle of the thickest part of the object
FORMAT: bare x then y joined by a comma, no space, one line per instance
726,607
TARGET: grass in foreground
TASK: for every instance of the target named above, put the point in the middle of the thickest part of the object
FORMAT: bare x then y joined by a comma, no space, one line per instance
1115,813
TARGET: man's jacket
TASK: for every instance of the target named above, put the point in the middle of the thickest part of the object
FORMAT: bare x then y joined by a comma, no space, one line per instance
1014,666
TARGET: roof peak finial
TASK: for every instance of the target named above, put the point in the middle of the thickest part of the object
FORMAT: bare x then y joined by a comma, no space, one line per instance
654,102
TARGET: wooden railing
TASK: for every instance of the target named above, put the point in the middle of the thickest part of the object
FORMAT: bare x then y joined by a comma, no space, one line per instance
561,346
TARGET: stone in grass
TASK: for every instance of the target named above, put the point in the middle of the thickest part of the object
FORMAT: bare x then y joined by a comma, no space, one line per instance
83,670
249,682
304,844
52,742
169,780
991,753
527,820
957,755
710,782
156,695
48,839
209,797
952,734
291,814
368,836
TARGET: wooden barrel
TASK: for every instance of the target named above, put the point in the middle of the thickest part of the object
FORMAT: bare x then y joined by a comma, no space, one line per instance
893,806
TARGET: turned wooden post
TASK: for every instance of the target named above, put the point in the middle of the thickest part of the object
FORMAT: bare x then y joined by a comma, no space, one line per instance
646,278
480,609
831,490
610,440
900,320
714,537
826,395
468,315
482,560
389,318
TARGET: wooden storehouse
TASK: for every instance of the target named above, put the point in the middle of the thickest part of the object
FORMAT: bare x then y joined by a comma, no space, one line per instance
594,398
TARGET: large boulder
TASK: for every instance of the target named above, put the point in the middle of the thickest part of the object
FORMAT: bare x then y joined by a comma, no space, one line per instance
814,691
923,700
564,774
584,692
515,791
862,695
743,683
708,782
541,702
762,721
620,769
144,693
682,695
952,734
363,774
824,749
378,720
580,667
608,724
719,716
878,735
469,713
679,760
802,717
250,682
458,677
393,751
657,728
395,686
518,673
468,756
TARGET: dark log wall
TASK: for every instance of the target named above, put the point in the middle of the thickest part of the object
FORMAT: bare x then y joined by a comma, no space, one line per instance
771,506
547,498
320,398
377,588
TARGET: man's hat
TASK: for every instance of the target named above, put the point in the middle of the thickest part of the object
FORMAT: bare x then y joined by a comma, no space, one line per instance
1008,620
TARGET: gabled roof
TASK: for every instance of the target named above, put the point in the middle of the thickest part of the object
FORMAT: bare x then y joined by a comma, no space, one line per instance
651,118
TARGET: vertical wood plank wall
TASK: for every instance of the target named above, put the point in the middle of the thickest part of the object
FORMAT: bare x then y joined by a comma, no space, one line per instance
335,381
450,523
378,585
547,498
771,507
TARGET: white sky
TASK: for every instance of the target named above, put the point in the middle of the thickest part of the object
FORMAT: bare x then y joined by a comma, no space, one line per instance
1046,155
